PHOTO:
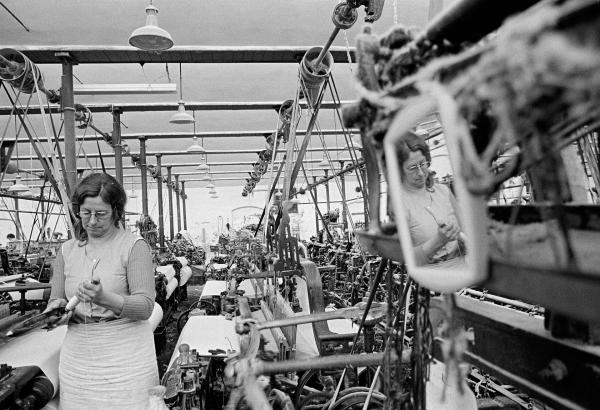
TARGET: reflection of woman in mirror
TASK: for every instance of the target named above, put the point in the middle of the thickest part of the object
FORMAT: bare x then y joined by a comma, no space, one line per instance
434,226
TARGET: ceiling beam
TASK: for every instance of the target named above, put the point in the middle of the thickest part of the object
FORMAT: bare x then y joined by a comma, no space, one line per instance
204,134
171,106
127,184
128,177
195,164
102,54
170,153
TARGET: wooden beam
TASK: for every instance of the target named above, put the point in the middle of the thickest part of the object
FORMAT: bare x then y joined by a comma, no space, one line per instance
195,164
172,106
177,153
175,135
93,54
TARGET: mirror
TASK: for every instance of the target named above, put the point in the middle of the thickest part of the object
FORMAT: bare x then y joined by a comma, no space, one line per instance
444,242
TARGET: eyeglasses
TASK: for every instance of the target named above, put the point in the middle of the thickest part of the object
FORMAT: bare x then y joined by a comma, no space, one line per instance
423,166
100,215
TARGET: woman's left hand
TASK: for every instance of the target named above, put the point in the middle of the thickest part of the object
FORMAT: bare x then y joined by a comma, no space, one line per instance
90,291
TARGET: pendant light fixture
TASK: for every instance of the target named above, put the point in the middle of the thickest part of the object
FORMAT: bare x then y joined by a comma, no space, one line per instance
203,166
18,187
195,147
132,195
210,185
205,177
214,196
324,162
151,37
212,191
181,116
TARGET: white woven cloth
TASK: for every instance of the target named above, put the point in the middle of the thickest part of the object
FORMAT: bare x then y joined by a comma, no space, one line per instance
107,365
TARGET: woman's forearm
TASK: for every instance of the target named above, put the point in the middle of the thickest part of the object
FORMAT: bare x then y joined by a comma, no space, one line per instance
425,251
112,301
137,307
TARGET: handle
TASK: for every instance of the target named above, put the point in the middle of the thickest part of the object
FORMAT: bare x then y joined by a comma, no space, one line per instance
74,301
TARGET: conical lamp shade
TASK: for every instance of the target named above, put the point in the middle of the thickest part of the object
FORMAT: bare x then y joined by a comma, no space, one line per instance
181,117
212,191
324,163
195,147
18,187
11,168
210,186
203,166
151,37
206,177
214,196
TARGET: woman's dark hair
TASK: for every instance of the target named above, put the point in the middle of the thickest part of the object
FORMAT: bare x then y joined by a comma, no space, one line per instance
411,142
106,187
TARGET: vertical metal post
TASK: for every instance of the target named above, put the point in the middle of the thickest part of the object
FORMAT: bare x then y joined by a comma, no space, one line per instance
364,193
17,220
161,222
327,191
177,191
316,210
344,203
170,189
116,143
67,100
183,195
144,176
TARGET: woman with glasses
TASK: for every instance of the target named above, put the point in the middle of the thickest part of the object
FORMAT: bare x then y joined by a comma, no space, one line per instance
434,226
107,359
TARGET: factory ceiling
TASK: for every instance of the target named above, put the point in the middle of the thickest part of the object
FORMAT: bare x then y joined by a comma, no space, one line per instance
239,62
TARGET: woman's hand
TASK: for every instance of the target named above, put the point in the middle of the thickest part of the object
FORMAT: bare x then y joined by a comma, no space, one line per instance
64,319
55,304
448,230
90,291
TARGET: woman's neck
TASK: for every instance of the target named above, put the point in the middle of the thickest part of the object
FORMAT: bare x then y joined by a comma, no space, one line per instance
414,189
99,241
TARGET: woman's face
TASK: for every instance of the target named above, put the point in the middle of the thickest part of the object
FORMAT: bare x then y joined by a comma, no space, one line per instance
415,170
96,216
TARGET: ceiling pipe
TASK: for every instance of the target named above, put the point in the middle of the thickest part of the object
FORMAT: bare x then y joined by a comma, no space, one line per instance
212,164
176,153
171,106
182,135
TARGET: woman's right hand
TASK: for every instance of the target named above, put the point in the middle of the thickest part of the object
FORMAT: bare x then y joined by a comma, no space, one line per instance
55,304
448,231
